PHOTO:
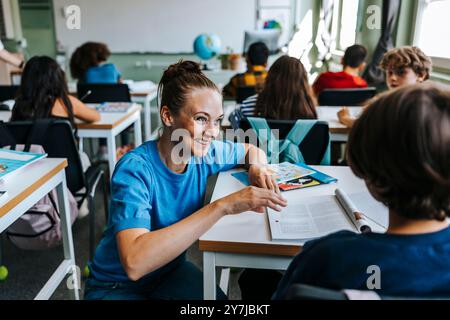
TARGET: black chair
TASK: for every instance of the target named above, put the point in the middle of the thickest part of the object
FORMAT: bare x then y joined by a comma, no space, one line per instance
58,141
8,92
313,147
99,93
243,93
346,97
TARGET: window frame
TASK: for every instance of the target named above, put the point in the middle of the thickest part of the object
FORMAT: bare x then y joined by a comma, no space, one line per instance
439,62
336,28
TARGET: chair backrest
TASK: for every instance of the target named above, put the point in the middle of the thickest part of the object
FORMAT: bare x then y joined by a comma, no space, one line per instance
8,92
305,292
99,93
59,142
346,97
313,147
243,93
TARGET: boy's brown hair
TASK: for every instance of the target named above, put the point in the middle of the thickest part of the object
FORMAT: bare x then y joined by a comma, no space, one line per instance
407,57
401,147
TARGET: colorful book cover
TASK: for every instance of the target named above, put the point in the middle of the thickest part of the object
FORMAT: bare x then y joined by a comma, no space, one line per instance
287,171
306,177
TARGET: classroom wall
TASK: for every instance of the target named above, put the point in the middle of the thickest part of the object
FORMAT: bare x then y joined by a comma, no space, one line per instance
38,28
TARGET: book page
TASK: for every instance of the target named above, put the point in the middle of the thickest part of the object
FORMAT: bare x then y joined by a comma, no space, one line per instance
372,209
303,220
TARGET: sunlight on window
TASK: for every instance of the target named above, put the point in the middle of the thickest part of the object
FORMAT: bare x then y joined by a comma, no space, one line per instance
349,21
435,23
302,41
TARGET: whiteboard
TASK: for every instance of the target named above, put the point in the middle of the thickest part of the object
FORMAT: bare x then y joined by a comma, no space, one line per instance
167,26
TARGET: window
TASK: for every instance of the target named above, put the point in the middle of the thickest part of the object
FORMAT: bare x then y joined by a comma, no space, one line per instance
345,19
432,23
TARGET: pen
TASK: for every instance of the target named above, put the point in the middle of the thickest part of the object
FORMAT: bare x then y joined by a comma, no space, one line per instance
361,223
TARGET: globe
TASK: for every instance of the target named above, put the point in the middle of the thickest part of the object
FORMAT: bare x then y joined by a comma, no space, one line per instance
207,46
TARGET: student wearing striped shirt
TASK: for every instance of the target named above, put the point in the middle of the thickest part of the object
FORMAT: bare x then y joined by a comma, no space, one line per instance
287,94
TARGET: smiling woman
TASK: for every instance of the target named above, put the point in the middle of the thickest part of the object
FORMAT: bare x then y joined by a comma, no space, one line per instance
157,192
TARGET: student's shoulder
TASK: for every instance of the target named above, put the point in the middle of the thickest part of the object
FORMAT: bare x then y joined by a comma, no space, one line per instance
334,242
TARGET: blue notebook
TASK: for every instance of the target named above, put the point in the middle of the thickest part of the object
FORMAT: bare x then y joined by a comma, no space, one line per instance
310,178
11,161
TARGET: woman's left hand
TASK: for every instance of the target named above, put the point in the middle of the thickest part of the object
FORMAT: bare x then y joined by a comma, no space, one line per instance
261,176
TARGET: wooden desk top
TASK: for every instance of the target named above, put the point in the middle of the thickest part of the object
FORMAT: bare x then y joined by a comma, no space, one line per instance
28,180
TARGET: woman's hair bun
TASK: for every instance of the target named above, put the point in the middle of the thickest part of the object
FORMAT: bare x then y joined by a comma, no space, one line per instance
180,68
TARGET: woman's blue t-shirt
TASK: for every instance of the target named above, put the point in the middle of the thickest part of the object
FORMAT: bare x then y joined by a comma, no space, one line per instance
146,194
104,73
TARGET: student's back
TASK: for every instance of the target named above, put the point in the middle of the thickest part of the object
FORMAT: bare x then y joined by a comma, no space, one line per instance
104,73
401,147
43,93
88,64
353,63
286,94
255,76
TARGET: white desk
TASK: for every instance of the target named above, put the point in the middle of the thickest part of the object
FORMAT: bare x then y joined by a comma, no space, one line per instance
338,131
109,126
146,98
138,95
35,182
244,240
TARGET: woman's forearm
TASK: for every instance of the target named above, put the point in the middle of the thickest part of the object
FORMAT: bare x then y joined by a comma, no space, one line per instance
152,250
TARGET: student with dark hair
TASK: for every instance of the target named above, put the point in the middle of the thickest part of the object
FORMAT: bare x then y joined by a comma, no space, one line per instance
88,64
256,57
403,66
400,146
287,94
156,210
353,63
43,93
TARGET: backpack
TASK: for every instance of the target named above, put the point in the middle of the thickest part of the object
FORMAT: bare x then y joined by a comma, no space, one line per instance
287,149
40,227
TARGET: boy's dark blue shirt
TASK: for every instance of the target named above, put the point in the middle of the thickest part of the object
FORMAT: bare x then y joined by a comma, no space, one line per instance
409,265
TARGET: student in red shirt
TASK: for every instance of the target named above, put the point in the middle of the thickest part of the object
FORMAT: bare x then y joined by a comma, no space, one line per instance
353,62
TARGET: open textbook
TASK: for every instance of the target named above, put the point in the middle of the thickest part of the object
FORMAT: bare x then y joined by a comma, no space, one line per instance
319,216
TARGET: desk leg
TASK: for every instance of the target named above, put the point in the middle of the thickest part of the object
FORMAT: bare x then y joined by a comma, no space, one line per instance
209,276
111,140
147,118
66,229
80,145
137,132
